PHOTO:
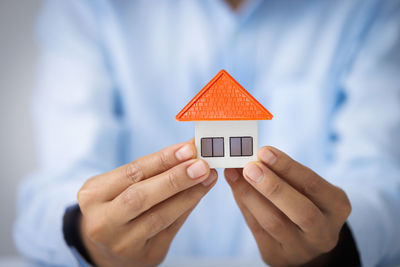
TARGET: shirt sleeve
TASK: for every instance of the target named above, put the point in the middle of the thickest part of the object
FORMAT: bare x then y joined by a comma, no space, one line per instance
76,122
367,149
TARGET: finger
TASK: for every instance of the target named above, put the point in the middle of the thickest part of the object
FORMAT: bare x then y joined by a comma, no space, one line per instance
158,246
109,185
272,221
270,218
320,191
293,204
160,217
140,197
153,250
270,248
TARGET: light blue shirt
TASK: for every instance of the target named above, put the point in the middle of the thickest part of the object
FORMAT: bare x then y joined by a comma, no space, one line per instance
113,75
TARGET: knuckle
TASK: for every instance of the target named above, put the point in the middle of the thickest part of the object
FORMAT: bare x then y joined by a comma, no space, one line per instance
313,187
344,205
348,209
272,224
119,249
85,197
164,160
85,193
273,189
134,198
310,220
243,190
133,172
95,230
173,182
286,166
156,223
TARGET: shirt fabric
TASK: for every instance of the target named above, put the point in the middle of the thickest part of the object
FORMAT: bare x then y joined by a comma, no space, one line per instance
113,75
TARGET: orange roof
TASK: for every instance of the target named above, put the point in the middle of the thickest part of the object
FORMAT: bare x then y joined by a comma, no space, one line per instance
223,99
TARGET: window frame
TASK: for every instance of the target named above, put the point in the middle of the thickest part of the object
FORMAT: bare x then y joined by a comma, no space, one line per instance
241,146
212,147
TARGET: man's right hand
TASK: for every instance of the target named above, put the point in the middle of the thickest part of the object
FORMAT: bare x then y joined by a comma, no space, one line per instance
131,214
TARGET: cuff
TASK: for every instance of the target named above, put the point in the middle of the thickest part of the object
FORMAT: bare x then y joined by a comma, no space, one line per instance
72,236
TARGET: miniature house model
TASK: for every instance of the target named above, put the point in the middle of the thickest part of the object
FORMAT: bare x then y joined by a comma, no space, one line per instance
226,118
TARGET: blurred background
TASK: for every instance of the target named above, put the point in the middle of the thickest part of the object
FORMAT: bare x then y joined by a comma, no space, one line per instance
18,53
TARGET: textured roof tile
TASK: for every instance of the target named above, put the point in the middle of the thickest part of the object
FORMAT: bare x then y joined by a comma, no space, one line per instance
223,98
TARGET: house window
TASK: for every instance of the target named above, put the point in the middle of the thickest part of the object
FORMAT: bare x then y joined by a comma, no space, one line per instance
241,146
212,147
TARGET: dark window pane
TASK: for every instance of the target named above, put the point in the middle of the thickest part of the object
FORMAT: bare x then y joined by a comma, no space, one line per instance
218,147
206,147
235,146
247,146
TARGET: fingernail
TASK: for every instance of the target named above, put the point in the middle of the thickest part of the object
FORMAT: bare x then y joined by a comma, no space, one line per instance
253,172
184,153
210,179
197,169
267,156
233,175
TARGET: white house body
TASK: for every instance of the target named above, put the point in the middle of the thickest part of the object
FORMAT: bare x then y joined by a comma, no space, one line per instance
226,144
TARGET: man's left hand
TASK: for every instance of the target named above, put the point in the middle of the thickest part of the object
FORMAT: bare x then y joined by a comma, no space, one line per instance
294,214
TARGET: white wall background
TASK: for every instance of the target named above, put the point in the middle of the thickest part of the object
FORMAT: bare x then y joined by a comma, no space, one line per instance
17,77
